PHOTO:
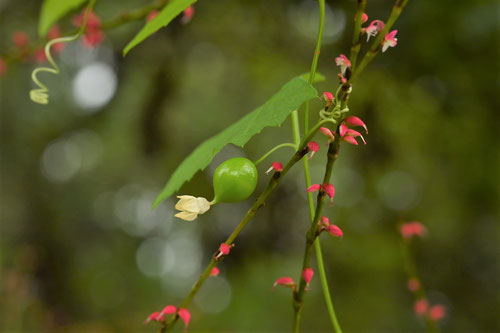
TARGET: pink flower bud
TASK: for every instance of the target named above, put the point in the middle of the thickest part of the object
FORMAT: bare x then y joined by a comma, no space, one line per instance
351,140
343,63
285,282
307,274
437,312
93,21
335,231
420,307
373,29
215,271
155,316
324,222
313,147
328,97
93,38
364,18
185,316
326,131
390,40
343,130
413,285
187,15
152,14
354,134
330,191
20,39
314,187
223,250
169,309
414,228
276,166
355,121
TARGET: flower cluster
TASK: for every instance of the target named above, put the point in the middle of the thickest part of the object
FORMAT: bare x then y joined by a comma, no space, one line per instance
170,309
93,33
434,313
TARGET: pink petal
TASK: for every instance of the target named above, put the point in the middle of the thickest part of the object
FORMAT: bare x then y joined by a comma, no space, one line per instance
364,18
329,190
314,187
285,282
420,307
185,316
350,140
224,249
413,285
155,316
355,121
313,146
277,166
335,231
328,97
353,133
307,274
324,221
391,35
437,312
169,309
327,132
343,129
215,271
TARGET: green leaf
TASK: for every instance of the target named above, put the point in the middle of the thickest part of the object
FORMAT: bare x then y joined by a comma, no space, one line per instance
318,77
167,14
53,10
272,113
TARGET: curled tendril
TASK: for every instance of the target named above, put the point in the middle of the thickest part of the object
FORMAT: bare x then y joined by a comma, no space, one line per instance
335,113
40,95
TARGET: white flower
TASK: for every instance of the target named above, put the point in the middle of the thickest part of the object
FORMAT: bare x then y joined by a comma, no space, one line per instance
191,207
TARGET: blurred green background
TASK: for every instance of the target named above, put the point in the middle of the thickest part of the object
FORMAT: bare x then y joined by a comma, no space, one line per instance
81,251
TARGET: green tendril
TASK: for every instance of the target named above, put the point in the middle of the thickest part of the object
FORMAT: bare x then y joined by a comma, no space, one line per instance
40,95
291,145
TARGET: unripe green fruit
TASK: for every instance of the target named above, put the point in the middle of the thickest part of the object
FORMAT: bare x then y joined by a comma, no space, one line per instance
235,180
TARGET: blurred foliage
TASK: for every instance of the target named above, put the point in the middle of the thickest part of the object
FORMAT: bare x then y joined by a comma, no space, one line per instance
81,250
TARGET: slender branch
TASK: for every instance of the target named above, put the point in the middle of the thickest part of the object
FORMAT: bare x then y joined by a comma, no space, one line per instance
273,182
312,234
356,43
291,145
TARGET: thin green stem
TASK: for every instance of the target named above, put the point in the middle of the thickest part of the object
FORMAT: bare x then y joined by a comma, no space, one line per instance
356,43
314,64
311,236
273,182
291,145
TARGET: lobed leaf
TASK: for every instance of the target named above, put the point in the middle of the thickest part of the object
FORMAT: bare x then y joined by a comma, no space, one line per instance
167,14
272,113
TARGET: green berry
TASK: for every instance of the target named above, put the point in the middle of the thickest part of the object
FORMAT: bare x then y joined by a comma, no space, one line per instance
235,180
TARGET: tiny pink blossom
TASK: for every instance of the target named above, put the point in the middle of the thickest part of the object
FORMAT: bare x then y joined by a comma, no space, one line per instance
313,188
152,14
414,228
413,284
328,97
343,62
313,147
20,39
187,15
390,40
169,309
341,78
420,307
324,222
437,312
329,190
364,18
335,231
215,271
373,29
355,121
307,274
185,316
155,316
326,131
354,134
285,282
223,250
276,166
